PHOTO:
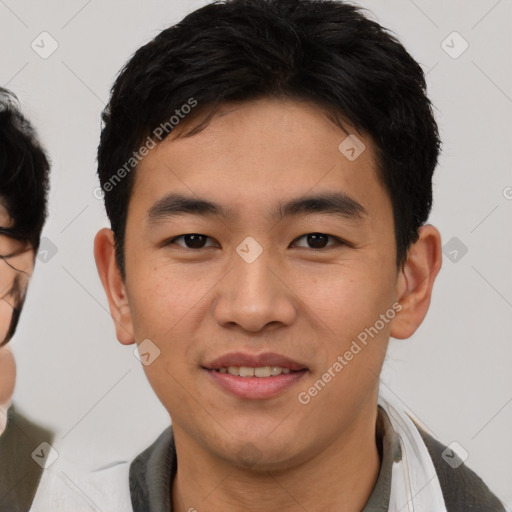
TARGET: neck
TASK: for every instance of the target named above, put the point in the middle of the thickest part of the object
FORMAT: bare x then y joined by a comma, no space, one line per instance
341,477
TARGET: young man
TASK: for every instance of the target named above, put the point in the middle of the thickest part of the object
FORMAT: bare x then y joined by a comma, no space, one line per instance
267,169
24,178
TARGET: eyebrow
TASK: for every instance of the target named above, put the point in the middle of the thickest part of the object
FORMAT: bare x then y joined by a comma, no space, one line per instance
337,203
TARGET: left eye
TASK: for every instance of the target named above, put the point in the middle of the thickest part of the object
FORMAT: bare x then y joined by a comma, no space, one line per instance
192,240
318,240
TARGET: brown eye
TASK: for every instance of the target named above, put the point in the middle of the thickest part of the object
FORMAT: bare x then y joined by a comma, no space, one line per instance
194,241
317,240
191,240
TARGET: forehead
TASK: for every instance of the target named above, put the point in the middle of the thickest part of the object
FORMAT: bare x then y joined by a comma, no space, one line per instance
253,153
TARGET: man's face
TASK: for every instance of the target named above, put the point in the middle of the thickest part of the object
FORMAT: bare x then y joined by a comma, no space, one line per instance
16,267
215,301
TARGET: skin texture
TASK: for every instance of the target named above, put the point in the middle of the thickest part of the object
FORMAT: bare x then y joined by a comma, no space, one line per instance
8,299
308,304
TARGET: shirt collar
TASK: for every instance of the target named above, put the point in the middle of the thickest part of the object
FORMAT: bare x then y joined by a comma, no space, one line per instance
153,471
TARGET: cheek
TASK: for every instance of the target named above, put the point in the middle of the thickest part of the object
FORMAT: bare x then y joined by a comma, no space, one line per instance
346,297
167,307
5,318
160,300
7,374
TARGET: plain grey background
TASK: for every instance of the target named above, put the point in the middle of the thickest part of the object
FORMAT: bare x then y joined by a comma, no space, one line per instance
454,374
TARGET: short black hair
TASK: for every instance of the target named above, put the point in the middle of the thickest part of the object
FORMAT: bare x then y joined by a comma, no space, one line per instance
325,52
24,173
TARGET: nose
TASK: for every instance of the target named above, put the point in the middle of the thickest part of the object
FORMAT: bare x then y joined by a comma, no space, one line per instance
254,295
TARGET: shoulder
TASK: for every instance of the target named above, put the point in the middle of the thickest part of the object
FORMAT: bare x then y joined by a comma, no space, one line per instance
64,486
30,430
152,471
23,447
463,490
161,450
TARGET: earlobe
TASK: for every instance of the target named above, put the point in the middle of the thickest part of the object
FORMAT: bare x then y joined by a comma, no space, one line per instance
415,282
114,286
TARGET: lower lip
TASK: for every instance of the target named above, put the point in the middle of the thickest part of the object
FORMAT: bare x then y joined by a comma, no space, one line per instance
255,388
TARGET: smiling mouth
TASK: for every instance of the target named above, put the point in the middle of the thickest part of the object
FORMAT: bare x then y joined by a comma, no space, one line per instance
260,371
255,382
254,376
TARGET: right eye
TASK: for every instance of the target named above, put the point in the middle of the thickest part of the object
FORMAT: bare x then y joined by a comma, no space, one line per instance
191,241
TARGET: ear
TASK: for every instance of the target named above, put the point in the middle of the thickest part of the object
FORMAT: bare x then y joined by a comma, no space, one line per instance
110,275
415,282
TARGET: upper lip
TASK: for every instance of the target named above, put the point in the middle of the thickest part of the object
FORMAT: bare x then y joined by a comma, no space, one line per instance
254,361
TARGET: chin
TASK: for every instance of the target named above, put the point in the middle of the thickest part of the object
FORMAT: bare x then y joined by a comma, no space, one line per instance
259,455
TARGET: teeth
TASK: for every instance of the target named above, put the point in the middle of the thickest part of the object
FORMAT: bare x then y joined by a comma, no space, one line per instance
247,371
264,371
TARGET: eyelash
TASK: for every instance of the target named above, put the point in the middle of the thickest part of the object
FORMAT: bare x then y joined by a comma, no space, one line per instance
337,241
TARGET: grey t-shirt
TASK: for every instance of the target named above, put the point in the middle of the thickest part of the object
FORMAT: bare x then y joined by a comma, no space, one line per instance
153,471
